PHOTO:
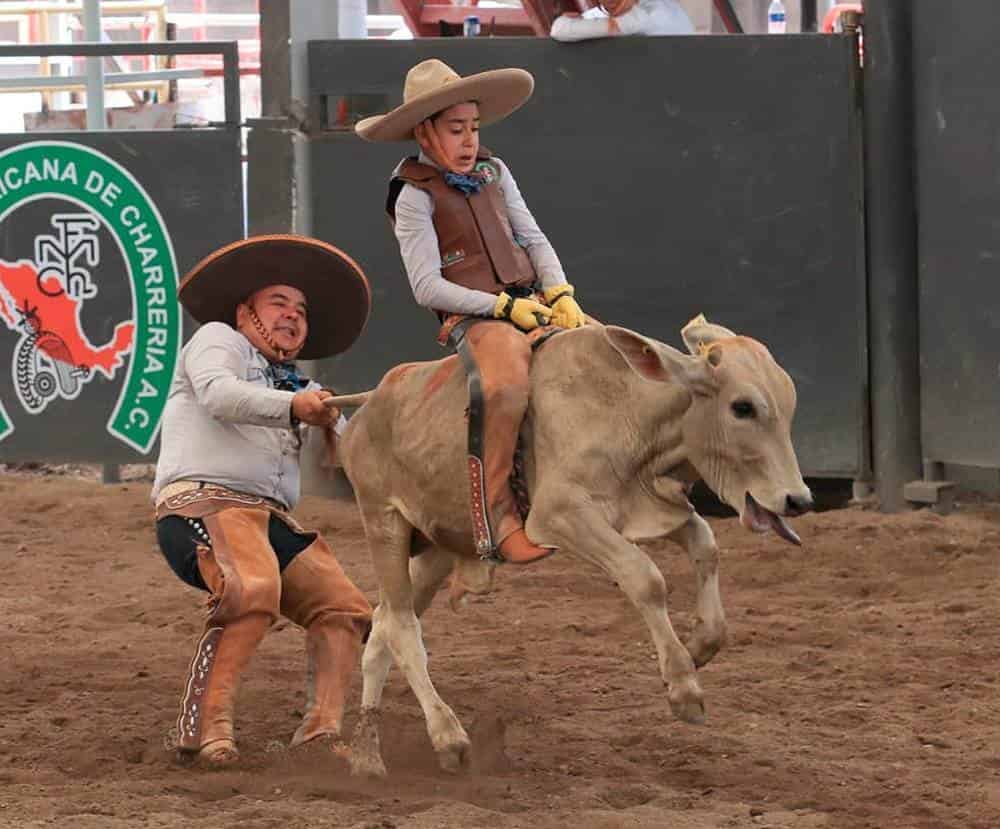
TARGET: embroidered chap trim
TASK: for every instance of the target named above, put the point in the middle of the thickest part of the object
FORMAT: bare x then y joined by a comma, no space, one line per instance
480,522
189,721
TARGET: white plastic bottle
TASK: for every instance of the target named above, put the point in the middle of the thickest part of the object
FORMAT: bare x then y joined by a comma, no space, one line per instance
776,18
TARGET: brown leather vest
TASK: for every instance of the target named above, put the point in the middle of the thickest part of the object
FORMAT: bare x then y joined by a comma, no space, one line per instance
475,238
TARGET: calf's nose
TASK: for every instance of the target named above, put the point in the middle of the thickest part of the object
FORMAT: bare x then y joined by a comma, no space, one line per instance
798,504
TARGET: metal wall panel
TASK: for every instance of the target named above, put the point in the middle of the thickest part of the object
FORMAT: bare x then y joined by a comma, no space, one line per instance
957,115
673,175
95,231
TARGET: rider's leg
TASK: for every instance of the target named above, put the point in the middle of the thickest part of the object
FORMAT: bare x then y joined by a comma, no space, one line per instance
502,354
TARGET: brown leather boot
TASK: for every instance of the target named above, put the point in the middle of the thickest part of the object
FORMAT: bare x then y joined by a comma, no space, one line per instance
517,548
241,571
503,358
317,595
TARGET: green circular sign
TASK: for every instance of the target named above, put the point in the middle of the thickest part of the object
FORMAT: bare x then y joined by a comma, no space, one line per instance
41,299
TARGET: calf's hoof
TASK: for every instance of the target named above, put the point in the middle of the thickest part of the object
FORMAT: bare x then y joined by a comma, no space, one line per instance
455,758
450,742
691,712
366,765
365,752
686,702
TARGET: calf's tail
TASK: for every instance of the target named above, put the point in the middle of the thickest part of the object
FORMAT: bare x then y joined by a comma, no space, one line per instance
348,401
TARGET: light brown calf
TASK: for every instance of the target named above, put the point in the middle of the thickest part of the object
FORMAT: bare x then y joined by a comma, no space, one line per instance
618,425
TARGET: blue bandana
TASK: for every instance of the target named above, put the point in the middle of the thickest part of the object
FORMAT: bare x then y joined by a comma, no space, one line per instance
469,185
285,377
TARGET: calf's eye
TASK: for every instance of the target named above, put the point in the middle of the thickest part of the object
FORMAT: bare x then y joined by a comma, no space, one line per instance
744,409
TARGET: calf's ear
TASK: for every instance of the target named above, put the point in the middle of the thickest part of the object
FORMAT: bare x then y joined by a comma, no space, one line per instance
658,362
699,334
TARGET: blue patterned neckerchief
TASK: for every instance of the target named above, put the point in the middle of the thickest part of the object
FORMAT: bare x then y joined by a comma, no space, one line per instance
469,185
285,376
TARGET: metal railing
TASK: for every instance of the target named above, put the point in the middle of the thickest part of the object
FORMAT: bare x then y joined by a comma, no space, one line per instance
227,49
36,17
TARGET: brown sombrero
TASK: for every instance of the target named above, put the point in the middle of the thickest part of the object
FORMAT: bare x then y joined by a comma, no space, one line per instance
432,86
336,289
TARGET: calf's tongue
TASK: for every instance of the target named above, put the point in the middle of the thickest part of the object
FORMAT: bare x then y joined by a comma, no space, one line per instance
760,520
779,525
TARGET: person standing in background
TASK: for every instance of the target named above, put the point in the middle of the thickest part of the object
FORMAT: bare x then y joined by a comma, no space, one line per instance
623,17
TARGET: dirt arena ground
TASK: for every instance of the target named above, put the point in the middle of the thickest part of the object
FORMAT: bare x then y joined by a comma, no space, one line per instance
859,688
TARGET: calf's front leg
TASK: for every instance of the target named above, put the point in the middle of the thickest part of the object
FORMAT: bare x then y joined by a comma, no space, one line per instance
578,526
709,633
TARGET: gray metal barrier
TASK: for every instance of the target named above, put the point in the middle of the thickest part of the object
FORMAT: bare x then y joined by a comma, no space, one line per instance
957,116
673,175
95,230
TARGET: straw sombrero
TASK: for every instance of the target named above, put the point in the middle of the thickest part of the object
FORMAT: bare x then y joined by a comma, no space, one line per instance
336,290
432,86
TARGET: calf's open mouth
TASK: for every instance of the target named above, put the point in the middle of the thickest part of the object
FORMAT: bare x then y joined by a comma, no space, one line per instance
759,519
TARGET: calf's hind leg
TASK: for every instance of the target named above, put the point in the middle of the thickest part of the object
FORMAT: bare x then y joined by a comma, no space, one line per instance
427,572
396,619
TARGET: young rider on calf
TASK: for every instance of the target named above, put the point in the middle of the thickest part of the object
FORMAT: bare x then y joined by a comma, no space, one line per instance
475,255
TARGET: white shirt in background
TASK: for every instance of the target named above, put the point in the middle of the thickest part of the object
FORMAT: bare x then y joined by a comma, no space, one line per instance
647,17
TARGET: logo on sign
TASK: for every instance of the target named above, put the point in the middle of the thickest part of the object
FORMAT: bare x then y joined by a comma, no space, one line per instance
42,298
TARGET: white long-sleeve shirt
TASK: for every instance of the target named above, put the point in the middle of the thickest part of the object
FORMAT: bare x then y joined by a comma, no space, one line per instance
225,423
647,17
418,245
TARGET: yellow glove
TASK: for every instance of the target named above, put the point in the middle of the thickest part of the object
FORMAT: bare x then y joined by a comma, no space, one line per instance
524,313
565,311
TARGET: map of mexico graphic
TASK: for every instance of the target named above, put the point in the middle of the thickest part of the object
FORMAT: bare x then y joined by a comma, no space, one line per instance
93,225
